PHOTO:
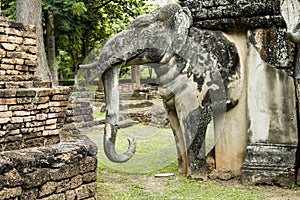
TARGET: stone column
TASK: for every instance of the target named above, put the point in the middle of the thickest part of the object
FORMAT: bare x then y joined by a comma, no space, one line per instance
230,129
271,106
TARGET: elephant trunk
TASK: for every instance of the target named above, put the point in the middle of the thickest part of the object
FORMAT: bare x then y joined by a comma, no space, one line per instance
111,83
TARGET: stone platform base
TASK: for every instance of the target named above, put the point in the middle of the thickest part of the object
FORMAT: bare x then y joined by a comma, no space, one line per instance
62,171
271,164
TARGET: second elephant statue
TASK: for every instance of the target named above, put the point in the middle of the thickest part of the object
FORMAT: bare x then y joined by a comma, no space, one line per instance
194,69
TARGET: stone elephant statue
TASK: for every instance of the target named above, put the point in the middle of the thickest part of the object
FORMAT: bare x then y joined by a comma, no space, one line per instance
194,70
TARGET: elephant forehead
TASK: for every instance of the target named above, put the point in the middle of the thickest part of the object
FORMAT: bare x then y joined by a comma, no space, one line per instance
135,39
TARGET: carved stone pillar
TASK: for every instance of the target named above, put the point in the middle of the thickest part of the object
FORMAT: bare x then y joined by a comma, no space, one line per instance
259,137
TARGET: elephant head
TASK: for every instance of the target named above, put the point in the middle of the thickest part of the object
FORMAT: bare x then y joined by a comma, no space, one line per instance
149,39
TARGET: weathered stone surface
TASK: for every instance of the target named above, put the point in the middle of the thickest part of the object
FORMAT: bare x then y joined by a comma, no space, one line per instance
88,165
47,189
89,177
271,164
85,191
55,197
12,179
226,15
10,193
29,194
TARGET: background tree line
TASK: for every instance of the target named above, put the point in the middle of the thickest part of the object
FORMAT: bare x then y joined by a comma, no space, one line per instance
72,28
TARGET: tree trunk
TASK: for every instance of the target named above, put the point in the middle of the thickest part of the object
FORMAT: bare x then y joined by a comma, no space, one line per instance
30,12
135,76
51,47
0,9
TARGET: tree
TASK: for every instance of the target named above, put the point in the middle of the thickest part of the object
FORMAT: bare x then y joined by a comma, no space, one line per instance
136,76
79,26
30,12
51,47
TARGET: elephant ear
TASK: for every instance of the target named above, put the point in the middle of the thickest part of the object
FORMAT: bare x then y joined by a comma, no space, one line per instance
182,22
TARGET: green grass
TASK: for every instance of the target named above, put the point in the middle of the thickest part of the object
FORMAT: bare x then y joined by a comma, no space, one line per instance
113,185
156,153
98,114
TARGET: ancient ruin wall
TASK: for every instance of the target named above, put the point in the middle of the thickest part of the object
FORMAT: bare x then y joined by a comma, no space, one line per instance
40,157
235,14
267,101
31,114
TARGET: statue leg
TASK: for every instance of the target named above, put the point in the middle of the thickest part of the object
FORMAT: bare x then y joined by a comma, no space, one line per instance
193,122
178,136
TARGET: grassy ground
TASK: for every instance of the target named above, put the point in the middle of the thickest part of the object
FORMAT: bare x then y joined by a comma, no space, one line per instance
156,153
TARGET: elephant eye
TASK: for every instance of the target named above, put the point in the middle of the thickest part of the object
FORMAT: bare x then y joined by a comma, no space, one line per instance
155,55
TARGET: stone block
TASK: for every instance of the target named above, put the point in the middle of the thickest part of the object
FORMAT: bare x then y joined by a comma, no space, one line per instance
32,49
89,177
29,41
29,194
34,142
8,101
55,197
10,193
16,120
43,84
3,108
29,56
50,132
60,98
43,106
86,191
53,115
6,66
12,179
42,92
64,172
10,31
20,113
59,103
14,132
6,114
70,194
39,100
41,116
61,90
3,38
51,127
16,107
31,63
21,68
24,100
88,164
7,93
75,182
4,120
29,118
48,188
2,53
271,164
30,107
15,40
51,121
14,55
12,72
25,93
8,46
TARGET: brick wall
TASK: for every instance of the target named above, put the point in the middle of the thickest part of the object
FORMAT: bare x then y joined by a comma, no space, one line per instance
40,157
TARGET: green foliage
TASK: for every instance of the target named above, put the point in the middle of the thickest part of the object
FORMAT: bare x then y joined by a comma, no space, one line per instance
82,25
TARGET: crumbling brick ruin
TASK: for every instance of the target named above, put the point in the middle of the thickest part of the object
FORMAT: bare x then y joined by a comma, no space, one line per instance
39,157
